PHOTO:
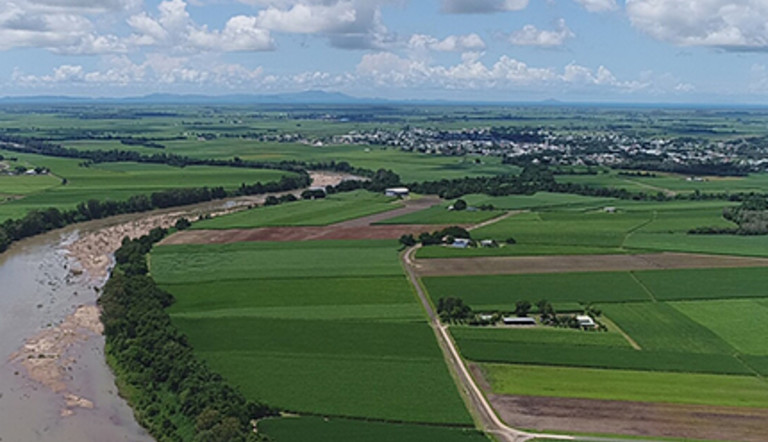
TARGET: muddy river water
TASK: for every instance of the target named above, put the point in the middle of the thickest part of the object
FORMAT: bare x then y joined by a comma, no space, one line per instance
54,382
38,290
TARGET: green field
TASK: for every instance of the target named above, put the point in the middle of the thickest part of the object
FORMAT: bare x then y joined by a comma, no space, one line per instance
540,200
320,327
270,260
114,181
741,322
706,283
539,335
657,326
704,389
334,430
500,292
441,215
333,209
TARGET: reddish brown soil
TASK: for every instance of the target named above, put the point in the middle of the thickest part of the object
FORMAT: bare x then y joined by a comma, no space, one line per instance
296,234
579,263
360,228
628,418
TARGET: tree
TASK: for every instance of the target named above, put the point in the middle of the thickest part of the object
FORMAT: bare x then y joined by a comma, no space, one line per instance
460,204
408,240
183,224
522,308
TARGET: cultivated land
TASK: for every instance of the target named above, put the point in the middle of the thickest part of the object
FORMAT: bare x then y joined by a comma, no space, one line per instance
109,181
319,327
306,306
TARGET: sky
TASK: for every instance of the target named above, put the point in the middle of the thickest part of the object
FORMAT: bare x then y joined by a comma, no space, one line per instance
645,51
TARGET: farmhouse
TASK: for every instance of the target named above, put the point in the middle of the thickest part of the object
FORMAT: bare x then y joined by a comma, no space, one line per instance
461,243
512,320
488,243
609,209
585,321
400,192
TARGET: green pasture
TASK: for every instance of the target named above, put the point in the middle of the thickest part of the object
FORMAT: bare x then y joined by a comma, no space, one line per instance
598,356
335,208
723,283
684,388
268,260
441,215
114,181
712,244
539,335
657,326
742,322
380,370
333,430
517,250
539,200
489,292
386,298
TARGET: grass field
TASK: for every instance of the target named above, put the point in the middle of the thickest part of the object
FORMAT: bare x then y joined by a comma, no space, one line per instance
441,215
715,244
334,430
539,335
270,260
704,389
335,208
706,283
502,291
742,323
320,327
517,250
596,356
539,200
115,181
657,326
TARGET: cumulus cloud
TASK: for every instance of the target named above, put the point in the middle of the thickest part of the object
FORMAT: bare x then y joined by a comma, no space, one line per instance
389,69
58,27
727,24
452,43
482,6
598,5
172,27
530,35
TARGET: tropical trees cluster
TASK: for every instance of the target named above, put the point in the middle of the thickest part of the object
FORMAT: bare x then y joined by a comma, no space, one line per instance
175,396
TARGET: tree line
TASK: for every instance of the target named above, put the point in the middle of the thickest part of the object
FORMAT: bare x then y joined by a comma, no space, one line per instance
174,395
43,220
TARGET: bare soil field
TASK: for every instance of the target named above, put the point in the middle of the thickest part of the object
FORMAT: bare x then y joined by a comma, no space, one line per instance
632,418
360,228
643,419
579,263
334,232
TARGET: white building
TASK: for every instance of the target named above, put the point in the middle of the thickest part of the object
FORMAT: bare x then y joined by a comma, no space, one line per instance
400,192
585,321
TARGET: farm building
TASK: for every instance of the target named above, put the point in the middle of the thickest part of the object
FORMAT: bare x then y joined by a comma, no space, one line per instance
461,243
585,321
511,320
609,209
400,192
488,243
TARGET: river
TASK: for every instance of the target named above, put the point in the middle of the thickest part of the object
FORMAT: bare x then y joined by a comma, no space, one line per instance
37,291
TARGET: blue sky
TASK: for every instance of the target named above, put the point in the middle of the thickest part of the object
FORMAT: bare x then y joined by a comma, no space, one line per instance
687,51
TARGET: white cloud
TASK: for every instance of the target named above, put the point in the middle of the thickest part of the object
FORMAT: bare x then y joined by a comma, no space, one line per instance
172,27
452,43
55,27
598,5
727,24
482,6
532,36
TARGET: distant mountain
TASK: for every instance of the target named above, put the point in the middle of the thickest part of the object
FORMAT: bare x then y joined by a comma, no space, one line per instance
307,97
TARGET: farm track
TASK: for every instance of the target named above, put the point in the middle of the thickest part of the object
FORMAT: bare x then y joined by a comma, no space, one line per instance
515,265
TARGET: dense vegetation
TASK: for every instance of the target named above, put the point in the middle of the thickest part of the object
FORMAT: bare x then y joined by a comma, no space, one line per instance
39,221
175,396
